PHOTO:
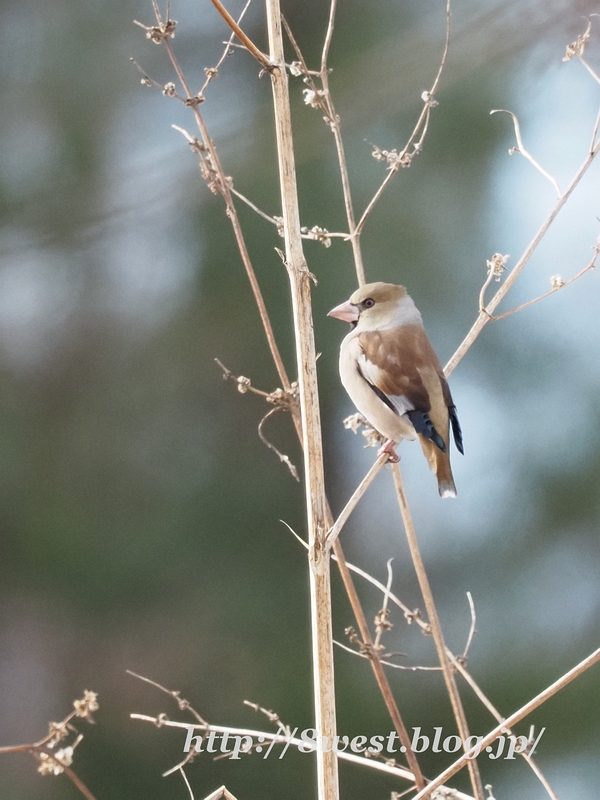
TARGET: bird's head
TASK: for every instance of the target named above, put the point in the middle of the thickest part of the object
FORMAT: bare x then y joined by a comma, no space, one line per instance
377,306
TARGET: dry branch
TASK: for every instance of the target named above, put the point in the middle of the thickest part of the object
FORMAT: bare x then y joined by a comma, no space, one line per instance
436,629
300,283
510,722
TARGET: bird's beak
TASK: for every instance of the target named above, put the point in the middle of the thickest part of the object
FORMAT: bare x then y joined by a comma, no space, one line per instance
345,311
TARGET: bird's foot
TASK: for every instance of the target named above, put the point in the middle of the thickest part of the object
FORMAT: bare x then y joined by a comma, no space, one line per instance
390,448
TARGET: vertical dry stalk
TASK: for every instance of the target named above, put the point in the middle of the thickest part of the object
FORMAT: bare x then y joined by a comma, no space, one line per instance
300,280
334,122
375,660
436,629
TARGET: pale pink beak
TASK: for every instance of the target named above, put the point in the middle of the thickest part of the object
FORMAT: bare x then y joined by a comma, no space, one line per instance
345,311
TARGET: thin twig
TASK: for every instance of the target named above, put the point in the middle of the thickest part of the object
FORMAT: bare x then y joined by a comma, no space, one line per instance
221,792
423,120
595,131
223,188
262,59
558,285
490,277
485,316
592,72
267,735
187,783
459,666
254,207
457,662
510,722
381,620
314,234
383,660
282,457
436,629
325,102
378,671
75,780
336,529
410,616
472,629
212,72
183,704
520,148
335,125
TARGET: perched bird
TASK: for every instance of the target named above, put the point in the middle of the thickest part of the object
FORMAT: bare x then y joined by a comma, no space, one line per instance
395,379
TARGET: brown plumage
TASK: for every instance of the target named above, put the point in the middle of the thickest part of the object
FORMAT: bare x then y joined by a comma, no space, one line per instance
394,377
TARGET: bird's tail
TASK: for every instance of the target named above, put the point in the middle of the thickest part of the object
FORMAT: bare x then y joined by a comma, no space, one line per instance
439,463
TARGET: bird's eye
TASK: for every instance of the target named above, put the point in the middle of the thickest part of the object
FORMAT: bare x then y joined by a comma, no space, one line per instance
368,303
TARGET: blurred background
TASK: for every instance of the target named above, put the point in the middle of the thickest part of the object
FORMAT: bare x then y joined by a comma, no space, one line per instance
141,514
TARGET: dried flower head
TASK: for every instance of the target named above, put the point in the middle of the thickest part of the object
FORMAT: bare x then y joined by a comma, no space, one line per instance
57,732
51,765
382,622
318,234
169,89
496,265
296,69
313,97
393,157
556,282
243,384
429,99
577,47
87,705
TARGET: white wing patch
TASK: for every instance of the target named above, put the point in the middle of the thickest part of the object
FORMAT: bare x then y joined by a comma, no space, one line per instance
372,373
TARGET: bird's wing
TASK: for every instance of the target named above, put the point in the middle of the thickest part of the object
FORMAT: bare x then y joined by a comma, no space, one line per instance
403,369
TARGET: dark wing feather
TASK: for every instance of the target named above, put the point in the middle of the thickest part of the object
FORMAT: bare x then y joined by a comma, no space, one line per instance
398,357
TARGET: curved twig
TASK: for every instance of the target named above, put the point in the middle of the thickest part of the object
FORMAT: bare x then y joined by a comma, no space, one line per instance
520,148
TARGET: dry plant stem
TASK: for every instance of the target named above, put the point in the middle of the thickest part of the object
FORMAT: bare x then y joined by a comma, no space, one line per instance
499,718
334,123
300,283
456,663
221,792
399,772
592,72
520,148
211,74
486,314
511,721
70,774
419,130
39,748
595,131
187,783
436,629
339,146
380,676
590,266
471,629
231,211
248,43
353,502
387,663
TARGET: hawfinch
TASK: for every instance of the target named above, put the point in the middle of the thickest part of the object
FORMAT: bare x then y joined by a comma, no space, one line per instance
395,379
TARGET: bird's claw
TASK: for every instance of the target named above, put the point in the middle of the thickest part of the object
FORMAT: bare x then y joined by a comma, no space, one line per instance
390,449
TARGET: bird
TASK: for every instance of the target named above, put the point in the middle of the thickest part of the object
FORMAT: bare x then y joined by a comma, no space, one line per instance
394,378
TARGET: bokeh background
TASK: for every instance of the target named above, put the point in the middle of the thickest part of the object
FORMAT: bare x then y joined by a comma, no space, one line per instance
140,513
